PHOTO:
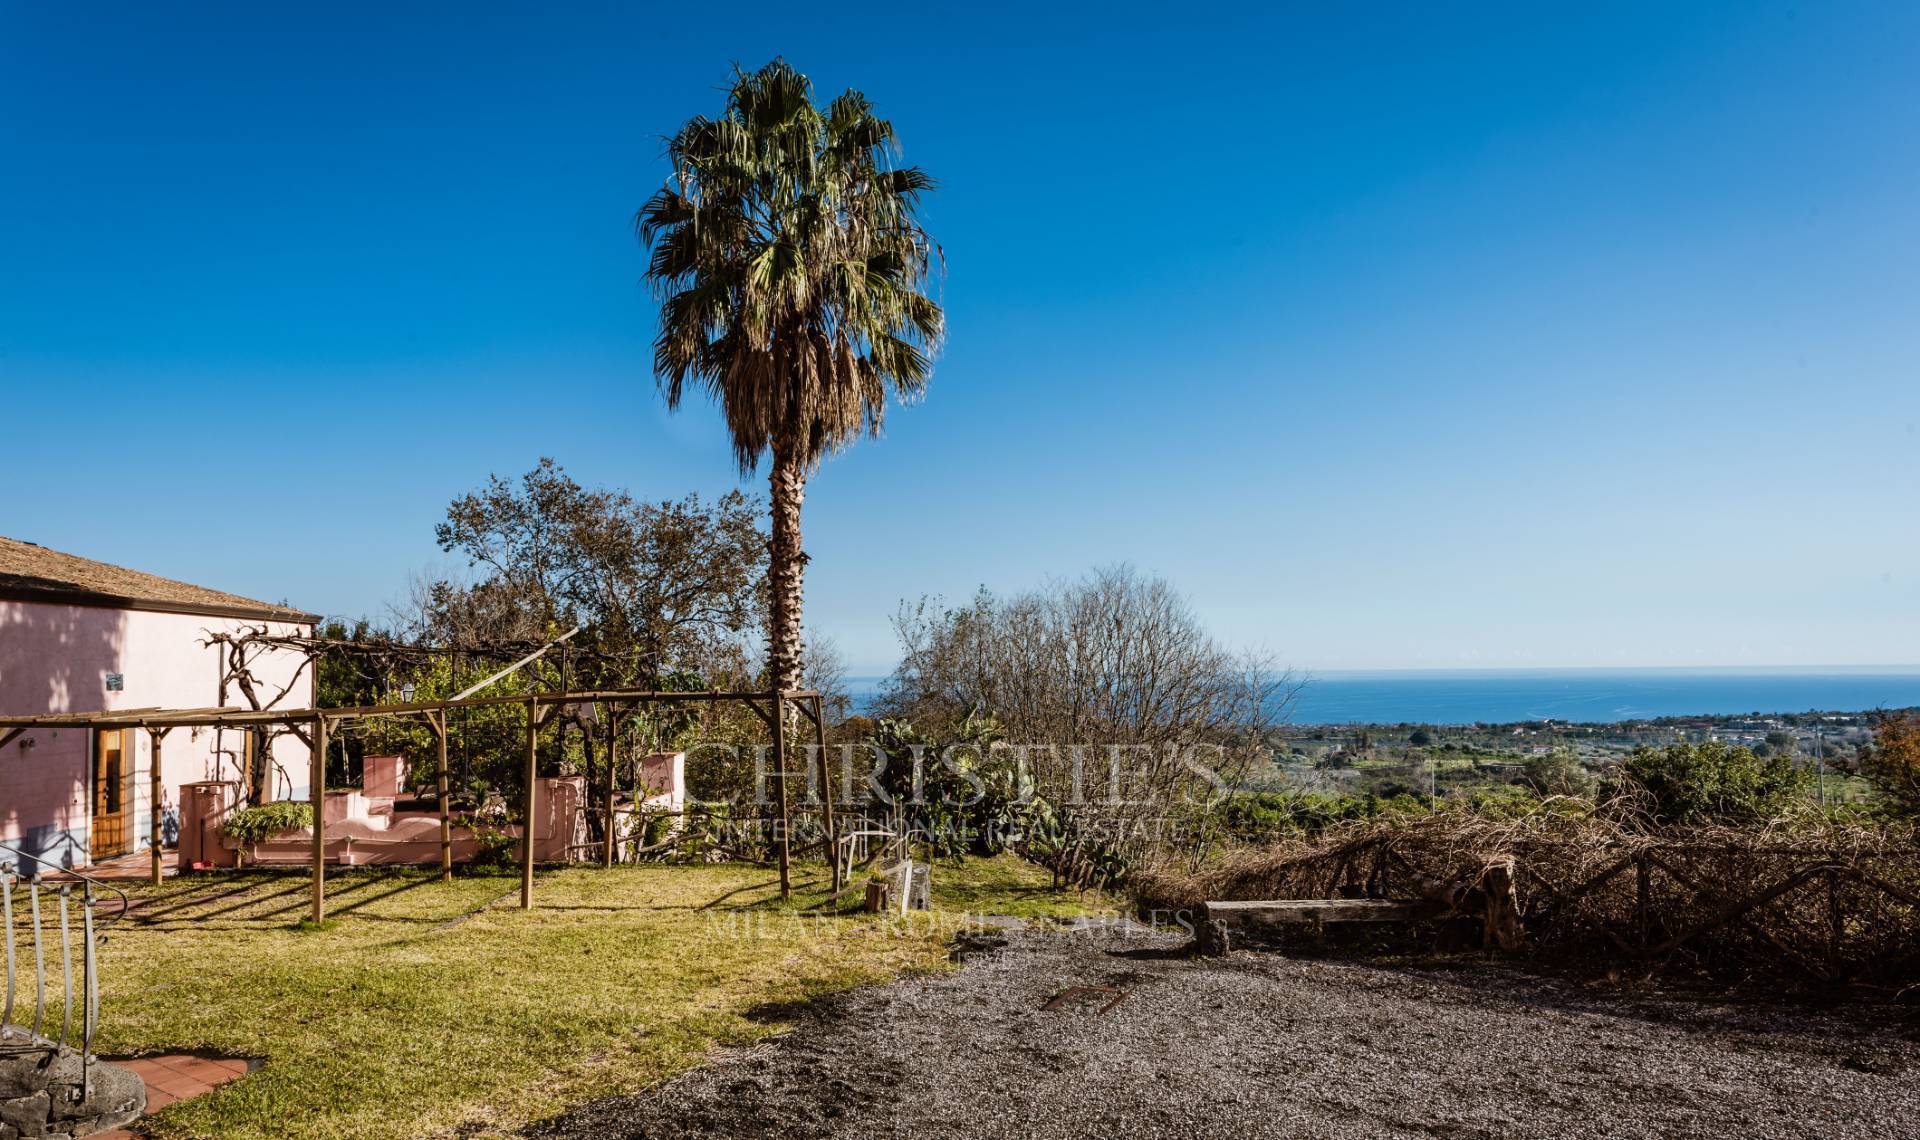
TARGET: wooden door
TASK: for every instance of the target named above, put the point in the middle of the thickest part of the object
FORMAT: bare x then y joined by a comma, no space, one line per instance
254,779
112,793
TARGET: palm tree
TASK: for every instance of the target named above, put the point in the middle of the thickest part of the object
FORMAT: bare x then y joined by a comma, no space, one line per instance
792,273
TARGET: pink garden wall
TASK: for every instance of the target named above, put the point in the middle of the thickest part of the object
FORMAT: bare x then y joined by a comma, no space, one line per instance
55,658
365,831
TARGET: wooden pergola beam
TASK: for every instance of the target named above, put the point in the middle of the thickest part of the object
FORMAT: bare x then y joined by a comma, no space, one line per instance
540,706
217,717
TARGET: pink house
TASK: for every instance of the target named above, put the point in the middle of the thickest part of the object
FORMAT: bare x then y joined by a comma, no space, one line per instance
83,636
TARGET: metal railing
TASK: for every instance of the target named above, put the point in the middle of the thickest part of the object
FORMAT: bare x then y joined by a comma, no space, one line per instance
16,927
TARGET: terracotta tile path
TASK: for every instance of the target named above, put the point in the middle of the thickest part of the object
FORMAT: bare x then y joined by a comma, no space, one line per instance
177,1076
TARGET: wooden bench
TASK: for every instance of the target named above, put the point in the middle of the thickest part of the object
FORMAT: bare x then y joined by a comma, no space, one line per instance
1219,920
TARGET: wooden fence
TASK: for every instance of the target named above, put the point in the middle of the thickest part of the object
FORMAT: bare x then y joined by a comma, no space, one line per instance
1798,913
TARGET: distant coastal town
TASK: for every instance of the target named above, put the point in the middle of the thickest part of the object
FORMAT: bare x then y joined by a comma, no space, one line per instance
1424,760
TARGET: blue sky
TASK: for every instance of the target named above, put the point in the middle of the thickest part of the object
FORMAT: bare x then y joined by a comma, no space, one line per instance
1395,335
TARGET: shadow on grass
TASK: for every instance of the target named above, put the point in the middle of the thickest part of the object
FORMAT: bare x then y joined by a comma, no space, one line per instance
140,912
404,886
712,903
192,912
248,909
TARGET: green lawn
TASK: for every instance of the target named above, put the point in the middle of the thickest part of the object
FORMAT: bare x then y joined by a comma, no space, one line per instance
1007,885
422,1006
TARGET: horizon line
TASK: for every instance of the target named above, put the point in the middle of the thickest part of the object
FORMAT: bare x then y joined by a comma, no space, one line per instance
1308,673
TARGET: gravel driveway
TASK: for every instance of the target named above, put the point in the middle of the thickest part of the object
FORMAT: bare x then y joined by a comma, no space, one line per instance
1261,1045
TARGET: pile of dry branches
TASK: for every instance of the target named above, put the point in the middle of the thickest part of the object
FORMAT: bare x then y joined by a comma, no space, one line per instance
1831,905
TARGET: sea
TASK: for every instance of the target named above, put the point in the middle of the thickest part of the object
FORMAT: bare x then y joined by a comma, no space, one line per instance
1499,696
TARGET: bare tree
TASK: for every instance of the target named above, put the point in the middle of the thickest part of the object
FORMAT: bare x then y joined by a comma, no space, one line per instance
240,653
824,670
1110,685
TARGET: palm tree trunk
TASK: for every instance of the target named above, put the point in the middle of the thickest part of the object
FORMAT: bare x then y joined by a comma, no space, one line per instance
787,572
786,576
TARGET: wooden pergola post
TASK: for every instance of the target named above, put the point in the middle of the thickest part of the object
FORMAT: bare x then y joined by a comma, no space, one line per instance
532,803
783,840
318,794
613,755
826,793
438,722
156,787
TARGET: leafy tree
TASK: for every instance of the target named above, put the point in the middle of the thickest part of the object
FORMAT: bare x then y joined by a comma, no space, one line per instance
660,587
1420,738
486,744
791,266
665,593
345,679
1689,783
1893,760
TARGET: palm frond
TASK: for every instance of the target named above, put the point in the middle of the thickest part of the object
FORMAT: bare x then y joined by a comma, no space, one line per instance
791,268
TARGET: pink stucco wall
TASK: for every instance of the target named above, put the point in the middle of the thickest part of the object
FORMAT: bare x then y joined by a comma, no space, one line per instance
665,776
359,835
55,659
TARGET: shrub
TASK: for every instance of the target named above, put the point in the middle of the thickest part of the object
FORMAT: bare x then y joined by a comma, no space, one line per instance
1691,783
1558,773
965,795
1893,761
1262,817
494,849
257,824
1511,801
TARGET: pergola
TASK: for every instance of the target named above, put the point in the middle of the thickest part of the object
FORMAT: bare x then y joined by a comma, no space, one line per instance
769,705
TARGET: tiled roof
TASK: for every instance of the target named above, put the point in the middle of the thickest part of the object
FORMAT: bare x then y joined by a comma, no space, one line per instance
34,573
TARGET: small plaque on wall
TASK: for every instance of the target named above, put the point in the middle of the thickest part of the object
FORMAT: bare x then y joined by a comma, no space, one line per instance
116,682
